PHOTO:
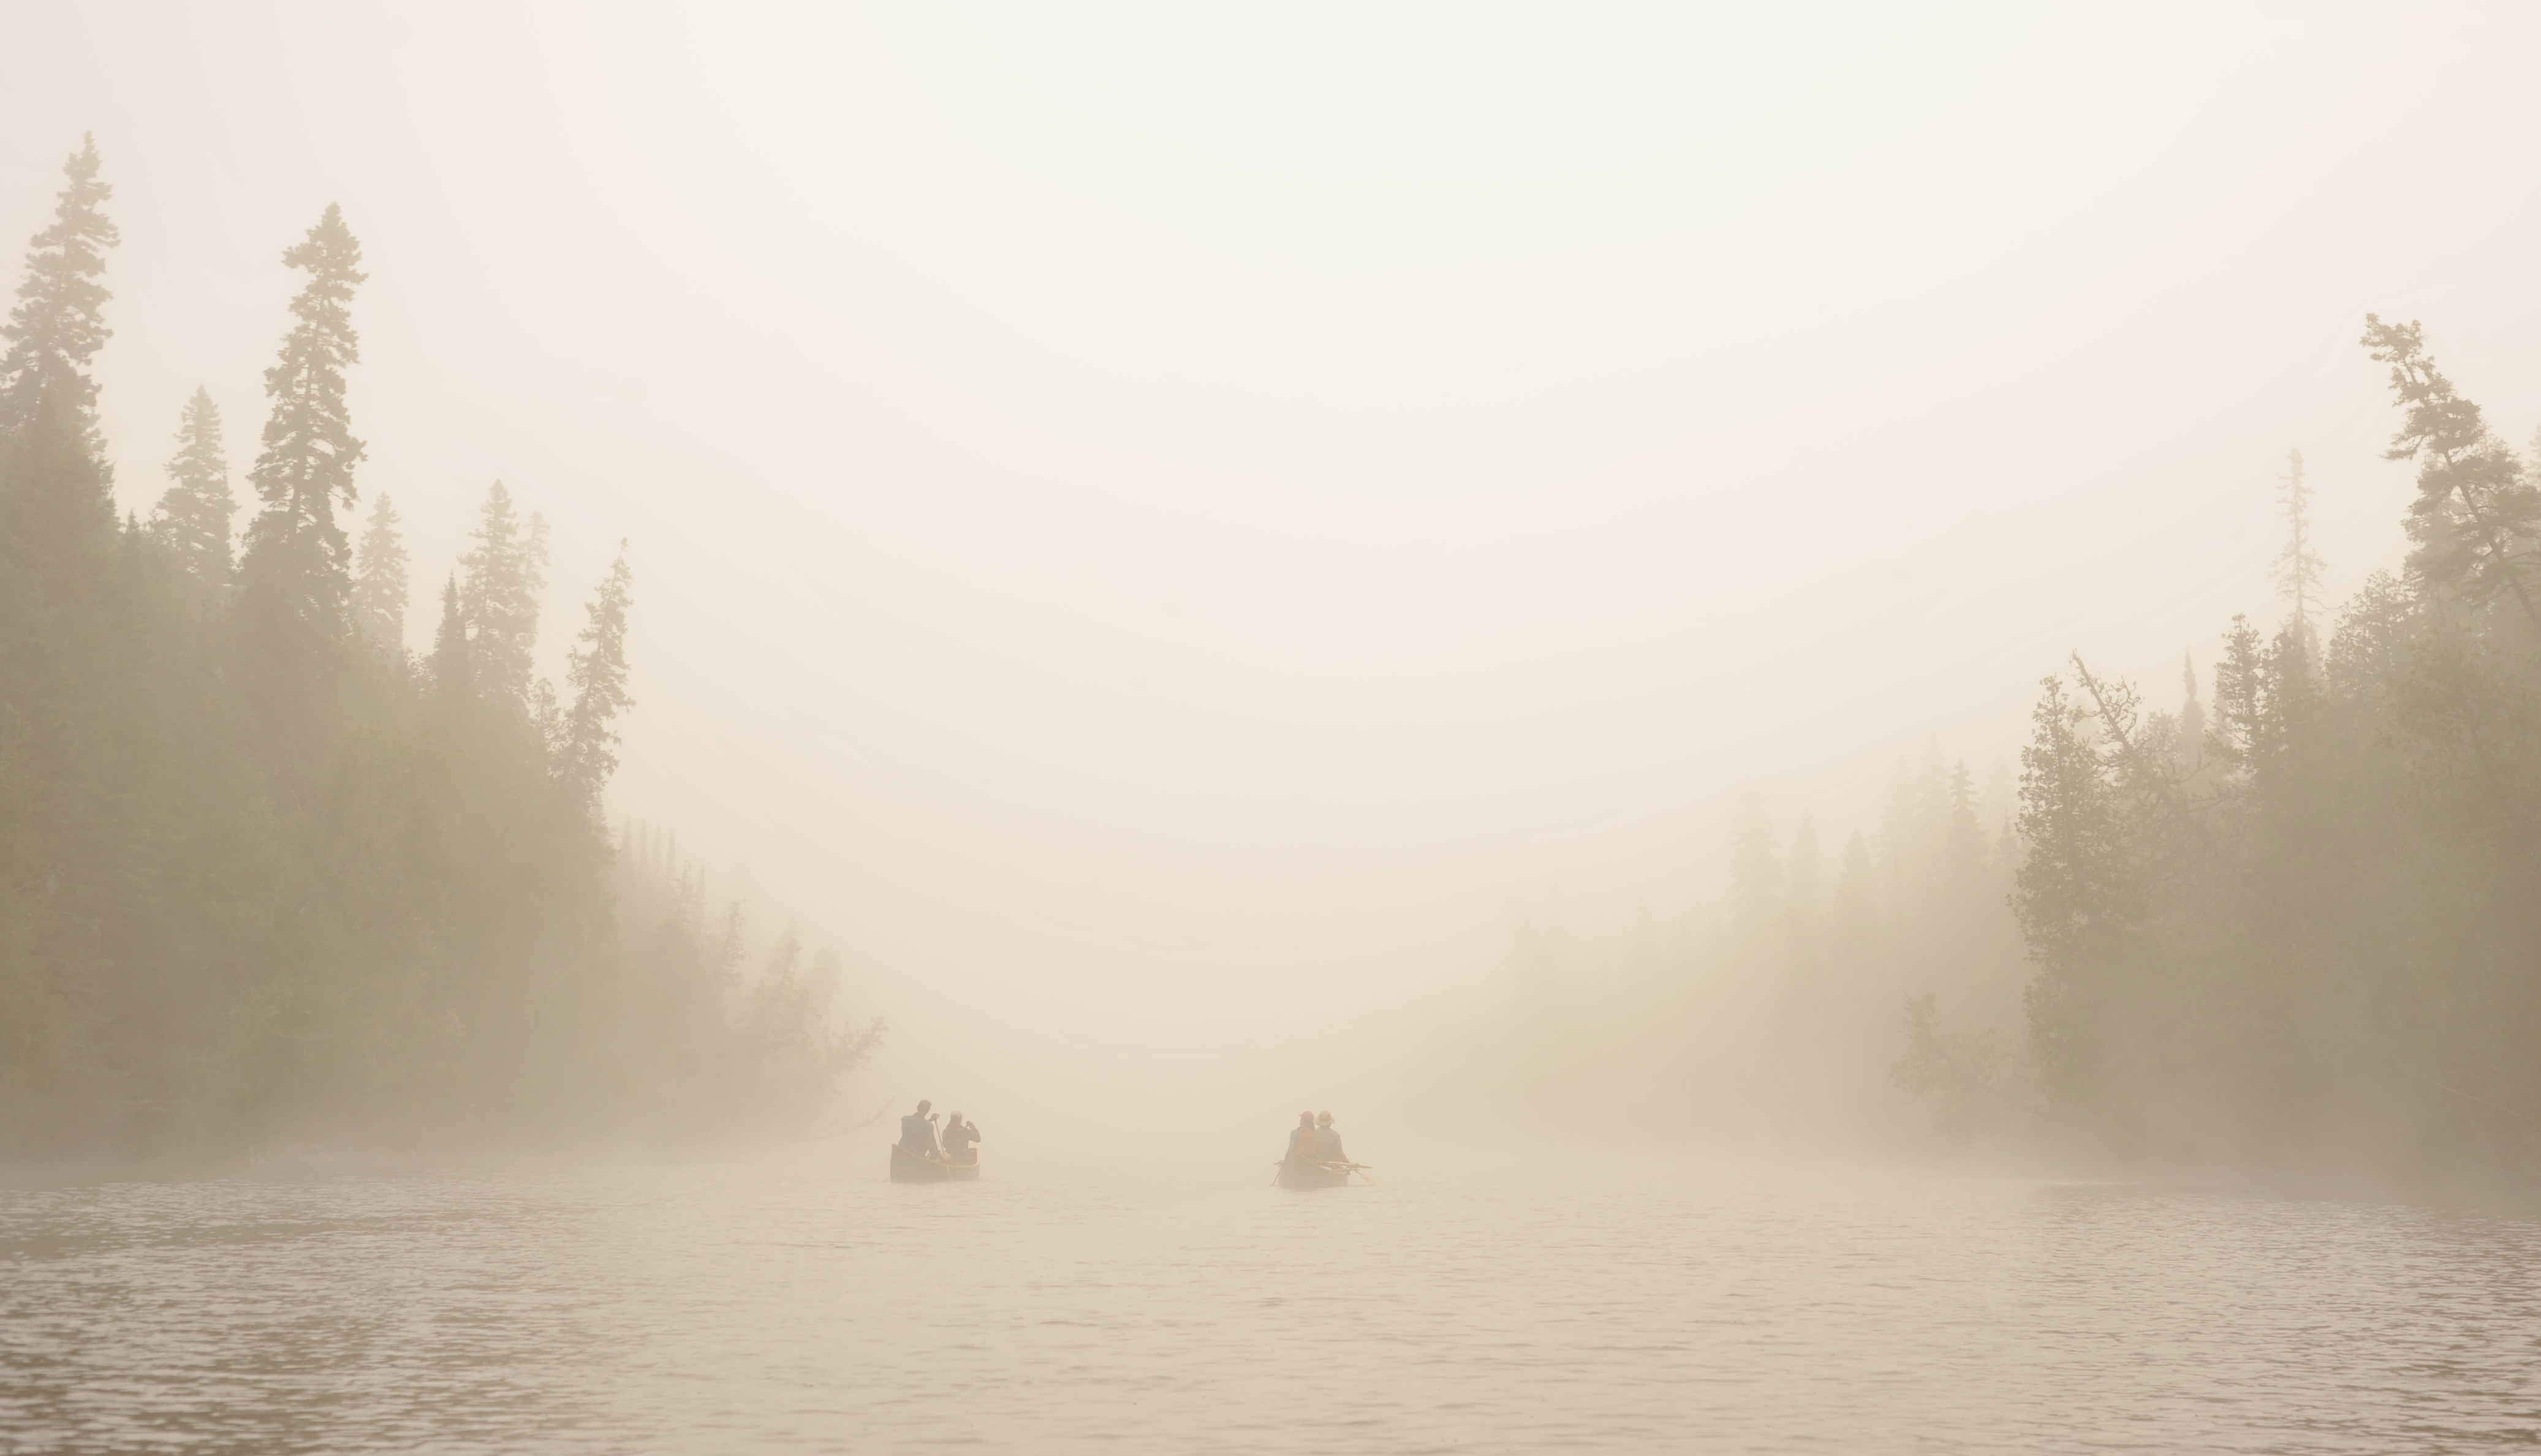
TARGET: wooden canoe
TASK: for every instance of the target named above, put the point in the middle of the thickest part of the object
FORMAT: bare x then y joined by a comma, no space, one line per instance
1298,1172
911,1167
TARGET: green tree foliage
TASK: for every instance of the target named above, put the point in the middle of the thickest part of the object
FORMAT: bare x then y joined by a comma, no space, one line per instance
257,887
60,322
454,676
2298,567
72,746
499,587
586,746
194,517
2476,516
306,465
295,576
2310,936
379,582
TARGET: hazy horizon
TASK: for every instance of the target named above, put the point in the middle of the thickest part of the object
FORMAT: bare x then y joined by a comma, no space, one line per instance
1147,520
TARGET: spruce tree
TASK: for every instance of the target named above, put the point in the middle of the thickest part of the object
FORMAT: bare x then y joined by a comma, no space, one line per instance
68,714
453,681
57,528
2190,751
1963,850
60,322
596,673
378,581
2076,895
1800,876
295,567
2476,519
505,574
194,517
2298,569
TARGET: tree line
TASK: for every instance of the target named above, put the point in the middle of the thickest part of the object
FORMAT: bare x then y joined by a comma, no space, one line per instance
268,875
2299,922
2290,921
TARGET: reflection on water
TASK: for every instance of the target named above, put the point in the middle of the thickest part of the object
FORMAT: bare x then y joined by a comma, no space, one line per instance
810,1305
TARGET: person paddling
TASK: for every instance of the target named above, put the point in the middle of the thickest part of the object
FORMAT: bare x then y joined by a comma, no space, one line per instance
1302,1143
959,1136
917,1132
1327,1141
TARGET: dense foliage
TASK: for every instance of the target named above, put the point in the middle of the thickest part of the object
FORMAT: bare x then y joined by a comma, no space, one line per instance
264,876
2293,923
2304,925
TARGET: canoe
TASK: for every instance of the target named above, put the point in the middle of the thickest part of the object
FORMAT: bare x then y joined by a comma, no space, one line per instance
1301,1173
911,1167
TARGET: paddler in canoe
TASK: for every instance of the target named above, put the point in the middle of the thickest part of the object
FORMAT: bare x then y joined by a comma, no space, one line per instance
1314,1159
917,1158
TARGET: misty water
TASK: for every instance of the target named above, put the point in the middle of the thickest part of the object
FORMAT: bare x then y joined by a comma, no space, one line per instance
803,1303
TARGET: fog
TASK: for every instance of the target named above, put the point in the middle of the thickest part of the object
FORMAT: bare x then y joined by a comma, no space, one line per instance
1160,534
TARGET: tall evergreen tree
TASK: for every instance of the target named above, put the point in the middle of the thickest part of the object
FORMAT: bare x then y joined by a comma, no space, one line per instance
1801,875
596,673
194,517
499,596
67,714
453,678
60,322
295,569
2189,749
1963,850
2298,569
2476,519
2076,895
378,581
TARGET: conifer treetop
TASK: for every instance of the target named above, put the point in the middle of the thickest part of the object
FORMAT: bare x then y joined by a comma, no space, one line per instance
194,517
60,322
307,465
506,572
2298,567
2474,509
379,579
597,673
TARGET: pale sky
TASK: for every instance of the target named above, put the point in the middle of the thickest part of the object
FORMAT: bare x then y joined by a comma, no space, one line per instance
1208,510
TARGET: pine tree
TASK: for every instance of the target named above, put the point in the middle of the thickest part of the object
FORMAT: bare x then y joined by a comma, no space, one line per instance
2191,745
295,571
60,322
2239,730
57,528
1963,849
505,575
597,673
2476,519
453,678
1801,876
2076,895
68,711
194,517
2298,569
378,581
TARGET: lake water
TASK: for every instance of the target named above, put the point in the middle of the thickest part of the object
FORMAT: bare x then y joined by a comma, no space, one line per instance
805,1304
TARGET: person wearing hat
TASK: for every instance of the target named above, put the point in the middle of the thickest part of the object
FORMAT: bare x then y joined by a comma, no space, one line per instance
1327,1142
959,1137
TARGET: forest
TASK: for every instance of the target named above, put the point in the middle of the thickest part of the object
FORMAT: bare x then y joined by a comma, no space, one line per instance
268,879
2291,924
2296,924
